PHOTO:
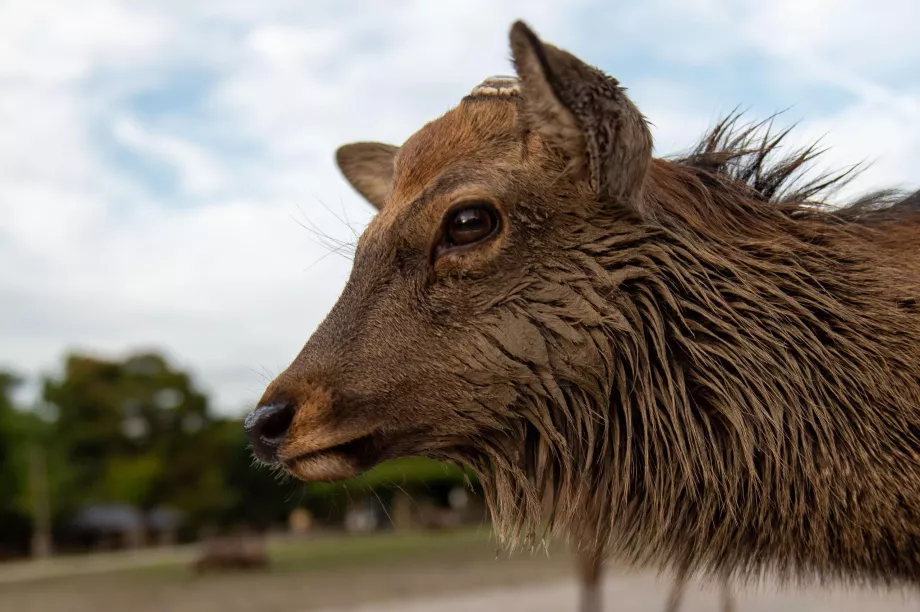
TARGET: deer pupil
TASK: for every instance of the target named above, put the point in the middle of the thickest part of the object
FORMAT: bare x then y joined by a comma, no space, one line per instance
470,225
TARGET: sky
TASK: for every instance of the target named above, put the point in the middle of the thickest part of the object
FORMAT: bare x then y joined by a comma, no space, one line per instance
167,168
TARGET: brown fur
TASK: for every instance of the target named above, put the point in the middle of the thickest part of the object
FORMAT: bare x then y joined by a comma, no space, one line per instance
700,365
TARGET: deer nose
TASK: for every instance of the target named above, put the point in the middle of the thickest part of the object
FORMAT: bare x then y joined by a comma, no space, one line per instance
266,427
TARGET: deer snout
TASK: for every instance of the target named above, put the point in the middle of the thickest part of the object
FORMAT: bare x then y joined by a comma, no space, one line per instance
267,427
312,432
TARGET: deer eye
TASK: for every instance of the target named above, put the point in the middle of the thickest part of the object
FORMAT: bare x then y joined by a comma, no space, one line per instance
469,224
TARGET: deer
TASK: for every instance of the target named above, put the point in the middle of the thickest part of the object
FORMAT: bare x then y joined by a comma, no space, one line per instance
704,364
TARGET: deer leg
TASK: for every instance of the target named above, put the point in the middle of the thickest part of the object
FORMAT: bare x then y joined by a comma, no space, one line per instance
680,585
676,595
590,565
728,599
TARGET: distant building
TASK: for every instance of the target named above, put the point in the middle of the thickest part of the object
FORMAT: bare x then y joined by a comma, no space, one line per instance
117,526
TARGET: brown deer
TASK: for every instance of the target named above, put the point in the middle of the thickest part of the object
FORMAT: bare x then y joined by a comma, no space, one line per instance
704,366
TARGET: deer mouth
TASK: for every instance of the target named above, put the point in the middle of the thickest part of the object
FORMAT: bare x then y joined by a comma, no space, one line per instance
338,462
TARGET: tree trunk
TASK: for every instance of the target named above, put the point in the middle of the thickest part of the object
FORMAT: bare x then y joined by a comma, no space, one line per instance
41,507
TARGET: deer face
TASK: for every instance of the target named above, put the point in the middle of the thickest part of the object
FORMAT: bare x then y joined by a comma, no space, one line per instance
461,324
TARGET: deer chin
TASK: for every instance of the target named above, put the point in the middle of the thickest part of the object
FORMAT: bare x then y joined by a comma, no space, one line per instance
339,462
323,467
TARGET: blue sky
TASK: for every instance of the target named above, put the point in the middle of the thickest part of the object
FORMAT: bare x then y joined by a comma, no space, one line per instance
158,161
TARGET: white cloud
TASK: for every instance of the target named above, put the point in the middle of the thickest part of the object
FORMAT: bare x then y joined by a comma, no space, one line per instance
883,134
217,269
200,174
860,35
55,43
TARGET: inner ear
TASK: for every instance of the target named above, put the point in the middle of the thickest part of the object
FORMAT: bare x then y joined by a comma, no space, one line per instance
368,167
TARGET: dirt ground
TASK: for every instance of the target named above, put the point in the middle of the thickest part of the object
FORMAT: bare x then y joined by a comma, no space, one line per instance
304,577
456,572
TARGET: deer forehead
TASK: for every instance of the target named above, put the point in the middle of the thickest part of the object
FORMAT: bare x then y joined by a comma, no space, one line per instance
481,129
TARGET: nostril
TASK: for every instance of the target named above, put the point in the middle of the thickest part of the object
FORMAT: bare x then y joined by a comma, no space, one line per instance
270,423
276,424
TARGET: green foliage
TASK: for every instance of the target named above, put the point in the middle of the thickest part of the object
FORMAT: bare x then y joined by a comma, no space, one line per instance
139,412
256,495
8,484
135,431
131,480
14,438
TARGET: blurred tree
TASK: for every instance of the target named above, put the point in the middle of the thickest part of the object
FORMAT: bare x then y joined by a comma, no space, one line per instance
34,431
258,496
8,484
132,479
137,431
14,519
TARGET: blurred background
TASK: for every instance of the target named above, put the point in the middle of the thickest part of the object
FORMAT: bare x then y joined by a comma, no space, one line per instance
173,228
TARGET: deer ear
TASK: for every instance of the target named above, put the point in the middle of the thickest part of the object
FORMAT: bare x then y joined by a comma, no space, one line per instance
368,167
586,115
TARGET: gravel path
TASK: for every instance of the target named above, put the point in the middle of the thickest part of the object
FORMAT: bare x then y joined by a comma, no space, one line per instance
100,563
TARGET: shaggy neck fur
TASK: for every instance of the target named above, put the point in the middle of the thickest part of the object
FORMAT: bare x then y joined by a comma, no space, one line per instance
733,390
